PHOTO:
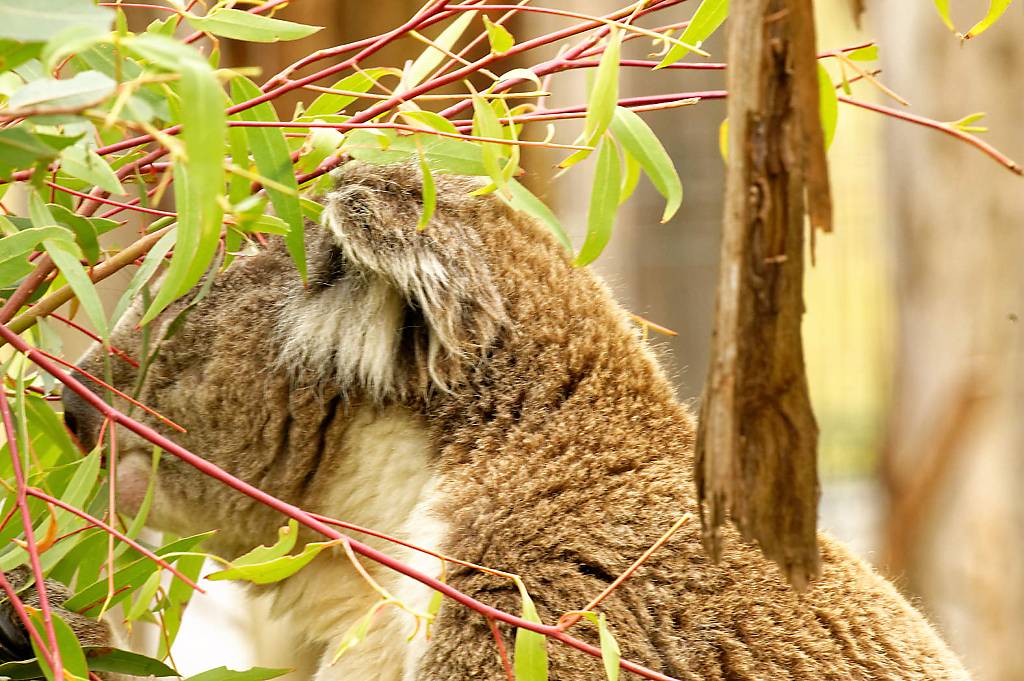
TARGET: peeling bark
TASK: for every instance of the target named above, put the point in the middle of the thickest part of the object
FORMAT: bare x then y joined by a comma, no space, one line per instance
757,442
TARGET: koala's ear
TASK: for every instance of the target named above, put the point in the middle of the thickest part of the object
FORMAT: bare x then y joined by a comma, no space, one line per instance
392,308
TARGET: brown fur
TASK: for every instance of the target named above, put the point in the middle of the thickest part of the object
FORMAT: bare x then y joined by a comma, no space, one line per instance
559,448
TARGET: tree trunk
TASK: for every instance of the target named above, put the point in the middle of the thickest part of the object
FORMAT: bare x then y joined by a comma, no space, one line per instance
757,439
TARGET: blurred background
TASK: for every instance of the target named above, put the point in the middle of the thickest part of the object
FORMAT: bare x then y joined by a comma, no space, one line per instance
912,335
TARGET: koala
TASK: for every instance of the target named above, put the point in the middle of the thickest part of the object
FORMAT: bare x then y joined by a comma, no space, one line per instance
467,389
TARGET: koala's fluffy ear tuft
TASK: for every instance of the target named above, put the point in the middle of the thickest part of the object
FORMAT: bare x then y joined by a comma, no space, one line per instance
393,310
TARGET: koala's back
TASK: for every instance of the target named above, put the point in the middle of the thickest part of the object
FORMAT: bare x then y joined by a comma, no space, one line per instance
604,494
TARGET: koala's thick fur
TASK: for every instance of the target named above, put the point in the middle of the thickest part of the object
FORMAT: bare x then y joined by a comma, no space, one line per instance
468,389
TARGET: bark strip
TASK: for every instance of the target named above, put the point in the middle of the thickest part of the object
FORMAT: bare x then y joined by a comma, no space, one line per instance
757,441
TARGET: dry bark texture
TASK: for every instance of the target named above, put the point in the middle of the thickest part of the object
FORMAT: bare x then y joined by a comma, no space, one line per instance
757,442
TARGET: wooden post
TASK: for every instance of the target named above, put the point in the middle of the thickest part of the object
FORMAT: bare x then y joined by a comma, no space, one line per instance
757,442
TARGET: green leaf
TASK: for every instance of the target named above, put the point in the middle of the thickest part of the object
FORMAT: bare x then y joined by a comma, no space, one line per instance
361,81
321,143
604,96
166,53
66,255
125,662
273,570
14,269
604,200
71,40
25,241
520,198
610,653
706,20
71,655
531,655
723,140
431,120
443,154
828,102
429,194
995,10
19,148
90,87
486,124
630,178
88,600
199,183
498,36
85,229
86,164
273,160
13,54
225,674
143,597
942,6
254,28
640,142
869,53
144,273
286,537
431,57
38,20
356,632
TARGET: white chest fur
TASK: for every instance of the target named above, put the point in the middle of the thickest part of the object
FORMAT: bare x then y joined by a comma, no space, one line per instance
381,479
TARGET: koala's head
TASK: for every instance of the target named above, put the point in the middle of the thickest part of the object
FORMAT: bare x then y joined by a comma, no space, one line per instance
263,372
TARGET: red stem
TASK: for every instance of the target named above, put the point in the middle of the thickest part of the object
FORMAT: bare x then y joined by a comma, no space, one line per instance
52,654
40,494
973,140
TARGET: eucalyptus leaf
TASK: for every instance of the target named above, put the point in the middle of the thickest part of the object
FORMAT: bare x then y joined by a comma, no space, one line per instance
604,200
274,569
640,142
273,160
82,89
254,28
531,656
706,20
40,20
199,183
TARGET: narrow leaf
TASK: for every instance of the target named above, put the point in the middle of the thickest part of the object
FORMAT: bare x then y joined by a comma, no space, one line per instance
273,570
273,160
640,142
199,183
531,655
521,198
39,20
254,28
65,256
828,103
942,6
431,57
429,194
86,164
126,662
286,537
86,88
706,20
225,674
604,199
498,36
995,10
361,81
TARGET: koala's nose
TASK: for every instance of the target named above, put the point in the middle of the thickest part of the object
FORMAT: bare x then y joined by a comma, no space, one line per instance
80,417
